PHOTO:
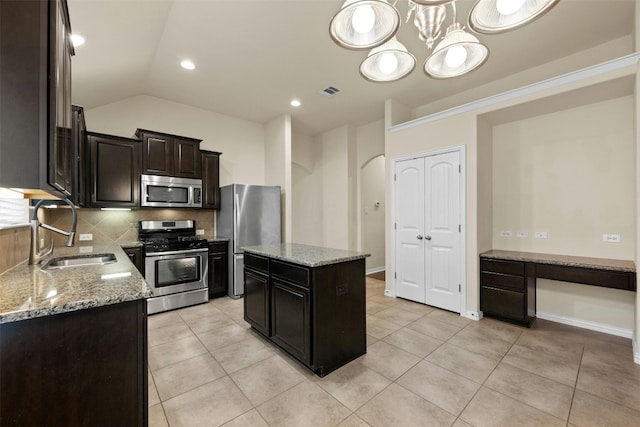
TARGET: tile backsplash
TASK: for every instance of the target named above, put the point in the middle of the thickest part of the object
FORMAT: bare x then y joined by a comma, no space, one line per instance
105,226
14,247
121,226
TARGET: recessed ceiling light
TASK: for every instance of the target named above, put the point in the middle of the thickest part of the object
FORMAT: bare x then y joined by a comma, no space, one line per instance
188,65
295,103
77,40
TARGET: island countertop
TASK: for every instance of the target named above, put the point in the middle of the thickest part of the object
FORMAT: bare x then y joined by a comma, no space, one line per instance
309,256
28,291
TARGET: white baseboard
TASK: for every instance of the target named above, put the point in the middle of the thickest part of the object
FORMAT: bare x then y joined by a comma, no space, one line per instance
473,315
374,270
636,351
389,293
599,327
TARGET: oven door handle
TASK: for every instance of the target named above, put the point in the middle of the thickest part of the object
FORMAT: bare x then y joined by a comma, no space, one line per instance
180,252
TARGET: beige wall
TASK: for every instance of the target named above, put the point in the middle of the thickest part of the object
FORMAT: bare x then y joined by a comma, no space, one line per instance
454,131
570,174
373,218
240,141
371,187
335,187
306,190
278,166
598,54
469,128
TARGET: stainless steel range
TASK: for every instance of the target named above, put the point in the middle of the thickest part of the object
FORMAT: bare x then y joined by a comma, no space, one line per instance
176,264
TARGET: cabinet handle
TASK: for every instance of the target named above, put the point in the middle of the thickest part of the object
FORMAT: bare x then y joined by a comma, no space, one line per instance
428,237
419,236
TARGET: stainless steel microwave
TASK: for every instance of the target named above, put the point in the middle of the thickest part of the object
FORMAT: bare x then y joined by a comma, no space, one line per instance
170,192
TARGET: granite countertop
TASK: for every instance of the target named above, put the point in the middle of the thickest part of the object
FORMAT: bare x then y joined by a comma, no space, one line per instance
309,256
131,244
27,291
216,239
567,260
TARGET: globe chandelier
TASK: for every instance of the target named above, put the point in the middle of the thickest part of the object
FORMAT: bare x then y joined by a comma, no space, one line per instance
374,24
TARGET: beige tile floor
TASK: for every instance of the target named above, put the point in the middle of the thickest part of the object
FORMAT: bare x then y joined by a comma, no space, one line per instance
423,367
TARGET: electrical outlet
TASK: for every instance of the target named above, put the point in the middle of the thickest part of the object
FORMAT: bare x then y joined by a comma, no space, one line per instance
611,238
86,249
85,237
505,233
200,232
523,234
540,235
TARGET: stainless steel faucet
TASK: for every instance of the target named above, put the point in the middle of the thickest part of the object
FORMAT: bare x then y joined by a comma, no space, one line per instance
34,254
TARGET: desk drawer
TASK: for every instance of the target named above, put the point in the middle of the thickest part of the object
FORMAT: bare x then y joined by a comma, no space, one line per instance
502,266
503,281
256,262
293,273
503,303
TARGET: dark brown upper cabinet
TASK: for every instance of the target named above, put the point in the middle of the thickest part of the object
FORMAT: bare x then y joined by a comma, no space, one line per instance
170,155
78,145
211,179
36,149
114,164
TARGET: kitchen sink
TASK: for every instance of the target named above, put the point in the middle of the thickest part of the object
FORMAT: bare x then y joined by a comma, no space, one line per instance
80,260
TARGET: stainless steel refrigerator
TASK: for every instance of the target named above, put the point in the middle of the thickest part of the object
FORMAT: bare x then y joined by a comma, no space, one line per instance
249,215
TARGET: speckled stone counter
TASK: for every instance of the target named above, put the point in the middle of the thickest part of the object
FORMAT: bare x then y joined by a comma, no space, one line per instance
565,260
216,239
27,291
309,256
130,244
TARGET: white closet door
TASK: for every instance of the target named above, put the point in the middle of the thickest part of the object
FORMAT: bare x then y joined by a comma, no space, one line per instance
409,223
428,242
442,231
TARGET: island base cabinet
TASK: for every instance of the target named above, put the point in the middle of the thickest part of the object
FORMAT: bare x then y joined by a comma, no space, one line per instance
316,314
339,316
82,368
290,319
256,300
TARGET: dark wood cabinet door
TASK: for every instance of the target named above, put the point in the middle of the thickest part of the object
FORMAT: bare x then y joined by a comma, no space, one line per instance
157,154
187,158
218,274
81,368
256,300
78,145
211,179
136,257
170,155
115,176
60,152
290,314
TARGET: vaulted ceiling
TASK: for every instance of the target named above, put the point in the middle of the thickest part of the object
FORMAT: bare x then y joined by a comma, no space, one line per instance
254,56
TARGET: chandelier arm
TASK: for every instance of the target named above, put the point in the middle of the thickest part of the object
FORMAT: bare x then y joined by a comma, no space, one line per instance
412,8
453,8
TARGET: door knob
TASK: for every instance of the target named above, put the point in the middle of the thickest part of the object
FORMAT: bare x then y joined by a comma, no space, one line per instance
419,236
427,237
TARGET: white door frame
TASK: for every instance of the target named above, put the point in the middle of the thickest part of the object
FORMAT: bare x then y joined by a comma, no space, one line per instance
463,219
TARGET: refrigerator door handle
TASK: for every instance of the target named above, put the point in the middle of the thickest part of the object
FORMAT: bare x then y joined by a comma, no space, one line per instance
236,210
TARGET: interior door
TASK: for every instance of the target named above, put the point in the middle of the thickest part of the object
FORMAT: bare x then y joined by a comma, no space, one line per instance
409,224
442,238
428,262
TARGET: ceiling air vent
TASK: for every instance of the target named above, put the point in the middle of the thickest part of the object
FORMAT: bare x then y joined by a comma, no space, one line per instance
329,91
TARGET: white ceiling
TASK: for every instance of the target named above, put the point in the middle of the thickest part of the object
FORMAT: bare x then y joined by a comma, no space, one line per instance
254,56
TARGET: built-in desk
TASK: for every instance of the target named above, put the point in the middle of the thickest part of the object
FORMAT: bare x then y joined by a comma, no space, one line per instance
508,279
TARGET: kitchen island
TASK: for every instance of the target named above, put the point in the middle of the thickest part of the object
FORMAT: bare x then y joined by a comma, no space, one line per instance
73,342
309,301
